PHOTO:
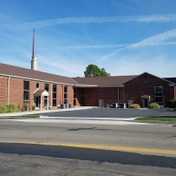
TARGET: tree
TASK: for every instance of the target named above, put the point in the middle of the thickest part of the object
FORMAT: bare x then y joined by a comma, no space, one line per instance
104,73
94,71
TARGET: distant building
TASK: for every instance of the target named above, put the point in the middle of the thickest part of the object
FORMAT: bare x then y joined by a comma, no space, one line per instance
19,85
141,89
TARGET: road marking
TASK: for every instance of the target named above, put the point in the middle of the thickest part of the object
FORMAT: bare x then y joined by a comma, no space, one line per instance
82,121
103,147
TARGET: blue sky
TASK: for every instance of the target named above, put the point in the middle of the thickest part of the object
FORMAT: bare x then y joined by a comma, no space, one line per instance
126,37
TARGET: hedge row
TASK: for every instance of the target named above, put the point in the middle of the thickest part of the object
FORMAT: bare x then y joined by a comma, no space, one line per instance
9,108
152,106
172,103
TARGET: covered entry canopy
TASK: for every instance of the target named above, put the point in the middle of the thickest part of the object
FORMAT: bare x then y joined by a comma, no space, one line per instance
145,99
42,93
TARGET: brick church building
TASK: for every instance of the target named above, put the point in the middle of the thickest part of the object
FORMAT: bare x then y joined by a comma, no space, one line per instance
20,85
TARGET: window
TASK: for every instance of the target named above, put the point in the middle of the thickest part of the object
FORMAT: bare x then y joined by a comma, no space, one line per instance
47,87
26,92
26,85
54,95
45,97
158,92
37,85
65,94
74,96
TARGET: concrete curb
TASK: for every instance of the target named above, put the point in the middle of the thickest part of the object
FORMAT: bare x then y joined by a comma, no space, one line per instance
45,111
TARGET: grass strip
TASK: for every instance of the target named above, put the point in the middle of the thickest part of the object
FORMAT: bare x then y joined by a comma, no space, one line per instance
163,119
20,117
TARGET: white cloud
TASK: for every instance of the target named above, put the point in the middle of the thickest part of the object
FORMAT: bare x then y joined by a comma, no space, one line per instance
60,65
112,19
137,63
85,47
156,40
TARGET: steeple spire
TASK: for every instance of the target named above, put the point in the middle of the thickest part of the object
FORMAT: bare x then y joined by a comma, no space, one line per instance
34,60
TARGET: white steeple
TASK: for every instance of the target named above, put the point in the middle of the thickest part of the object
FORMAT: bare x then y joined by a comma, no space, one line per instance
34,60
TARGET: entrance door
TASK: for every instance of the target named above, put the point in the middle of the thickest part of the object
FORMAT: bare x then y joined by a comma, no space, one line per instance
37,102
146,102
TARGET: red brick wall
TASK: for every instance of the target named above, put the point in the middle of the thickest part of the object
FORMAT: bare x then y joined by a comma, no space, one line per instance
16,92
86,96
92,96
3,90
144,85
109,95
70,95
133,90
59,94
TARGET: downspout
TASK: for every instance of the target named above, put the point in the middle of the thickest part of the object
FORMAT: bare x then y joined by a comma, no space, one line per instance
41,104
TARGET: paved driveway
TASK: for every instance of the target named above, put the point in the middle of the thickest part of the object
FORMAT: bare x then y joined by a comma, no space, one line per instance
111,112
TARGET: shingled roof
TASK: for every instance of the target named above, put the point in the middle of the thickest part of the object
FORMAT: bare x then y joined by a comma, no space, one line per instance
172,79
24,73
110,81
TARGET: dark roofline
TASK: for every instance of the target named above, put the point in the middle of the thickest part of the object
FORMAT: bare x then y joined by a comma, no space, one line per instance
110,81
171,79
153,76
24,73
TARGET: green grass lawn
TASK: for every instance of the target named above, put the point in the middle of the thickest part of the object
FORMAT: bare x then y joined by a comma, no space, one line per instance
19,117
162,119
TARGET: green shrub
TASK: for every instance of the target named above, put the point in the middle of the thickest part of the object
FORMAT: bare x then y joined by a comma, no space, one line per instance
136,106
11,108
172,103
26,106
154,106
33,107
18,108
3,108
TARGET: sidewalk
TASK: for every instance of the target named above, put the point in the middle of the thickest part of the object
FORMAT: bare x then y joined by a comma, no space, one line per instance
45,111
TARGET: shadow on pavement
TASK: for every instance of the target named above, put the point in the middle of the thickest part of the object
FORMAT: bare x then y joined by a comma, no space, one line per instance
100,156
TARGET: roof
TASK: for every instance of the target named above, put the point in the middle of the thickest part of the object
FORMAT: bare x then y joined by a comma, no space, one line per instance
109,81
24,73
172,79
41,93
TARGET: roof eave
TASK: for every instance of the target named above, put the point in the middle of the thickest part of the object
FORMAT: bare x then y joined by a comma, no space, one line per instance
85,85
34,79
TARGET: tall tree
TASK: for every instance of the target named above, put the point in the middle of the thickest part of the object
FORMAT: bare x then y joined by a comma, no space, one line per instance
94,71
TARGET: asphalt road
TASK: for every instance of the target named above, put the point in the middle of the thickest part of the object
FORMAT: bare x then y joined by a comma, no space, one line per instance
21,159
49,147
140,136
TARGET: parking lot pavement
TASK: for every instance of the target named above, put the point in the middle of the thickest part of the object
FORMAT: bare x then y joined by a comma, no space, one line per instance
110,113
95,112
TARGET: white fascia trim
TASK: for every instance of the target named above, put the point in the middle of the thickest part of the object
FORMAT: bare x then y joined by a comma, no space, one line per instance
33,79
85,85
